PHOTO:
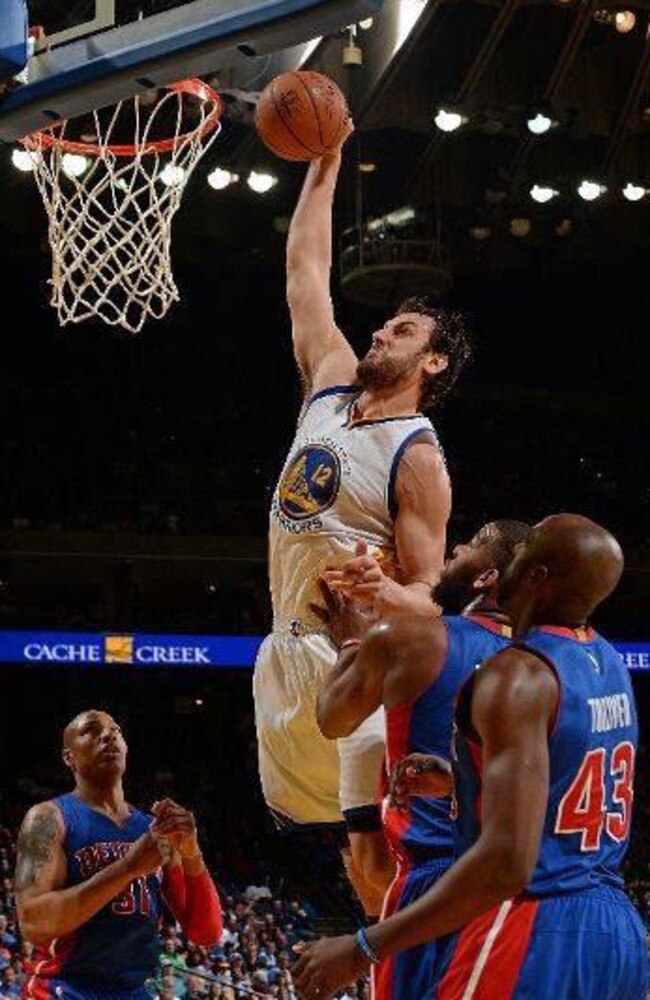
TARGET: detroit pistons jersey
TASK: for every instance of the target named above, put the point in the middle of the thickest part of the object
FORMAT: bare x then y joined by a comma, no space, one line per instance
336,488
426,829
117,949
592,748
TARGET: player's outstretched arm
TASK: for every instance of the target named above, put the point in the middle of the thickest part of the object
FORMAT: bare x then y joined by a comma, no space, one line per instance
363,676
45,909
322,353
514,700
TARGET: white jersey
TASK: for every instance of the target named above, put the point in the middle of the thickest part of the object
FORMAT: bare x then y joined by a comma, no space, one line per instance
337,487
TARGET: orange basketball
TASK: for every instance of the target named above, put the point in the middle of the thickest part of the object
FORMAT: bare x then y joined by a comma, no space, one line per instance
301,115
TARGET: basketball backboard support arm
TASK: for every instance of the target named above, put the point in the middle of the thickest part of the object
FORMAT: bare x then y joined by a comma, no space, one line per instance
104,18
197,38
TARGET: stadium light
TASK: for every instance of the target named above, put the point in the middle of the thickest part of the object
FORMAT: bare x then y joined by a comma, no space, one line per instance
541,193
219,179
633,192
448,121
261,182
590,190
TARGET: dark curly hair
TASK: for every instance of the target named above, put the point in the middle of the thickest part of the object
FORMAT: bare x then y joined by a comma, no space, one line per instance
449,337
508,535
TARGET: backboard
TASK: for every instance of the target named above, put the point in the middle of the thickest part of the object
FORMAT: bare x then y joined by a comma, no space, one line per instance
106,58
13,38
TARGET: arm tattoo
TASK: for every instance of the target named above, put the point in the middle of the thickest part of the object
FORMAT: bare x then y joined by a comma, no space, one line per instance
34,849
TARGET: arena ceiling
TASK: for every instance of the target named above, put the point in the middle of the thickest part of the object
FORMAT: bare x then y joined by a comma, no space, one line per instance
497,65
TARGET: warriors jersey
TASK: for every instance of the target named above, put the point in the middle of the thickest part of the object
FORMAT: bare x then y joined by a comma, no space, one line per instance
592,748
117,949
336,488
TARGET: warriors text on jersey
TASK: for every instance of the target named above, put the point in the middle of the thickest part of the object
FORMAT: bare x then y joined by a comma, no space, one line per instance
337,486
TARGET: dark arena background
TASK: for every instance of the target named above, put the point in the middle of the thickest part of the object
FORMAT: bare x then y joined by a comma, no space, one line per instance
137,471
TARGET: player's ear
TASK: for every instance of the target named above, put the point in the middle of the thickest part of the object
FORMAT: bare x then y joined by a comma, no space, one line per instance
67,757
436,364
487,580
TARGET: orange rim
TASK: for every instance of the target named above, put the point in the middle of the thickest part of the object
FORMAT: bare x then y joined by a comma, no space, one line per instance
49,139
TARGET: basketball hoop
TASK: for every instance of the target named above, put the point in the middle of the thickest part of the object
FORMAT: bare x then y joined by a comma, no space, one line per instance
110,219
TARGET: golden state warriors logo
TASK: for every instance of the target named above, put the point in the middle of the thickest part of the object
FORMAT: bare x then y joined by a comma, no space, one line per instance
310,483
118,649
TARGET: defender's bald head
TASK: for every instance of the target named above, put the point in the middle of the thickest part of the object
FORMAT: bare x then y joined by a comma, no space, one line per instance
568,565
583,559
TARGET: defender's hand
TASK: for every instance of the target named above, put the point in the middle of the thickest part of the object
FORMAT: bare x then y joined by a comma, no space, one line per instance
327,965
420,775
178,826
342,617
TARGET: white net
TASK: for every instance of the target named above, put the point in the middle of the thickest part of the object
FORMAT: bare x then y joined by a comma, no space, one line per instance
110,204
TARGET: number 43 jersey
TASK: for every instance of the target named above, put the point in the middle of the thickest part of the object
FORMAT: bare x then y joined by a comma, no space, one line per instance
592,748
118,947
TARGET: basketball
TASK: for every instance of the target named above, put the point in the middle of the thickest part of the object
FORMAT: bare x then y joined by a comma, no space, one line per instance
301,115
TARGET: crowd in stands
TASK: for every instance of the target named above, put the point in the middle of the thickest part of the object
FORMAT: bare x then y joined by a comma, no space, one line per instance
253,957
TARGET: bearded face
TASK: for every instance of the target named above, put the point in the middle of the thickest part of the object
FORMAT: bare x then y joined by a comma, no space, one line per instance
378,370
399,350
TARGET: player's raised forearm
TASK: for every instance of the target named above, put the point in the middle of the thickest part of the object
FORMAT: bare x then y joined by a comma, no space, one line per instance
59,912
413,597
309,244
337,711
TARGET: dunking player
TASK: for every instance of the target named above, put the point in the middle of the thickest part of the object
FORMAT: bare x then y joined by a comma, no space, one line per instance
414,666
365,467
88,879
547,744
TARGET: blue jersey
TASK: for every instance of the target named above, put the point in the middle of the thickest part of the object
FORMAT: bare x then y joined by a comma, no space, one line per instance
592,748
426,829
117,949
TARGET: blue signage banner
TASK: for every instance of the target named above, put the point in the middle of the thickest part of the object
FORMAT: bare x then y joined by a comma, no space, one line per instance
140,650
96,649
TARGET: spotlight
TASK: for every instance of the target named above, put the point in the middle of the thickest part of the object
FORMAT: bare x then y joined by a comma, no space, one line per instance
74,165
590,190
367,167
542,194
624,21
260,182
480,233
448,121
172,176
366,24
564,227
539,123
220,179
633,192
24,159
520,227
401,216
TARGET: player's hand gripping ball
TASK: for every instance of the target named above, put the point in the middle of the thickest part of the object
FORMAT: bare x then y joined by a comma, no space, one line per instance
302,115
